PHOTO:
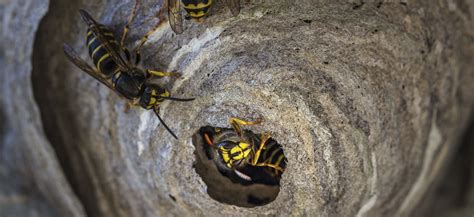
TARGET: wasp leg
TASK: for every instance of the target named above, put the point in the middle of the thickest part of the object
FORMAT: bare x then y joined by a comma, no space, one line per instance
264,139
126,28
129,104
278,168
127,54
161,74
208,140
237,123
145,37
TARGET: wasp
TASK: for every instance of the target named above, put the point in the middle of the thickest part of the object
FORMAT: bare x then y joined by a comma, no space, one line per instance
244,153
114,69
196,10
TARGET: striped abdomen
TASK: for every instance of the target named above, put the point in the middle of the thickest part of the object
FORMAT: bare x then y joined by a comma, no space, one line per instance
273,154
197,8
102,59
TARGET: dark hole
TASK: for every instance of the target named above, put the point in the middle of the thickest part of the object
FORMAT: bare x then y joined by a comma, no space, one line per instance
326,62
246,185
257,201
307,21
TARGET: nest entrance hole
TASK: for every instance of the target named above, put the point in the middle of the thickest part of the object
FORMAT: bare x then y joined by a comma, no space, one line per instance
247,185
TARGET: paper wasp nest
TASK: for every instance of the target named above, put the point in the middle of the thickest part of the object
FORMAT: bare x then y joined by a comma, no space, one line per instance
367,100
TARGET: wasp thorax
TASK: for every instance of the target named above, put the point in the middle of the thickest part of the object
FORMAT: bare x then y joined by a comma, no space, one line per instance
239,167
127,85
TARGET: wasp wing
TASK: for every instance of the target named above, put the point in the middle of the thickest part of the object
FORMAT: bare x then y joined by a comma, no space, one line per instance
234,6
95,27
174,16
74,58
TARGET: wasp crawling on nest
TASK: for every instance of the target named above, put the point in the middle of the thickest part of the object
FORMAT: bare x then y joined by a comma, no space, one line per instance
196,10
244,156
115,70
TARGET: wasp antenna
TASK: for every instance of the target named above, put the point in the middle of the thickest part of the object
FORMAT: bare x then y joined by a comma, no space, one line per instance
86,17
177,99
164,124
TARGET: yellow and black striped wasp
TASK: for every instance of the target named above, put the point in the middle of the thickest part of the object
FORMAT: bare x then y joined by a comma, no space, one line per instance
243,153
119,74
196,10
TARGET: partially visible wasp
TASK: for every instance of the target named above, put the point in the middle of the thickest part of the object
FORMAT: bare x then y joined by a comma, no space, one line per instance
120,75
196,10
244,153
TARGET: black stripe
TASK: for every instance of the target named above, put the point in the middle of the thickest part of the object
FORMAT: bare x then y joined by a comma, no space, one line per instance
108,66
99,54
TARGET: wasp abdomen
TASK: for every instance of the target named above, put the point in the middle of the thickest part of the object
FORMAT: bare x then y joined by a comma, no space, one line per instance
273,154
197,8
102,59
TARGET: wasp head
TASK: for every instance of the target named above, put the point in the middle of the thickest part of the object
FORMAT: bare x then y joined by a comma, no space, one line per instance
233,154
152,96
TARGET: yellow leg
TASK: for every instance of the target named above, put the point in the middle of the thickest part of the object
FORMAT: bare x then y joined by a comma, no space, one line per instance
145,38
127,26
237,123
264,139
162,74
270,165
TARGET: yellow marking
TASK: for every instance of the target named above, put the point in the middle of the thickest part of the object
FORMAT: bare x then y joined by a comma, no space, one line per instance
269,165
197,15
91,41
163,74
89,33
264,139
280,159
116,75
247,152
114,42
166,94
200,5
95,50
109,34
152,101
234,151
273,154
102,59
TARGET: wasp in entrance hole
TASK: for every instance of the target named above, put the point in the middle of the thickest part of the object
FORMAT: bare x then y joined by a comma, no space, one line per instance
244,153
114,69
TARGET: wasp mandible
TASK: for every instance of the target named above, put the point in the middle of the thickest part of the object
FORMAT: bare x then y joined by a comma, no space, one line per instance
119,74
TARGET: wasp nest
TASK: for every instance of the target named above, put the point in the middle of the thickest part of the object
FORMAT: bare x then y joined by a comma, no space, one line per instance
367,101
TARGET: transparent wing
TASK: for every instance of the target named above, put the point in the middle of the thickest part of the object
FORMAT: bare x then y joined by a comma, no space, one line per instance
234,6
174,16
74,58
96,30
